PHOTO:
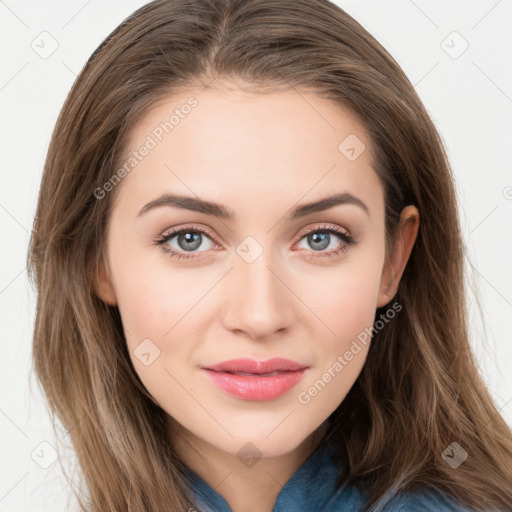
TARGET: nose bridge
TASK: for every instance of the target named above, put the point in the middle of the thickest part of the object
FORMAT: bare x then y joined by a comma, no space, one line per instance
258,302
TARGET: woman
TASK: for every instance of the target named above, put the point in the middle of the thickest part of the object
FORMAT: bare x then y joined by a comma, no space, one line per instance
309,349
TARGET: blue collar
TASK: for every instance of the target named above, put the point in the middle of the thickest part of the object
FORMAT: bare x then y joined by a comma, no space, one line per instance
313,488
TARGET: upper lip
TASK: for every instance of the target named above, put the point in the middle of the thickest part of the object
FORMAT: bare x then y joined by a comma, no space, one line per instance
252,366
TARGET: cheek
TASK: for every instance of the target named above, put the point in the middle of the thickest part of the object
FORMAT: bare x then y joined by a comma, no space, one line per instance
144,305
345,299
164,305
346,303
156,314
152,296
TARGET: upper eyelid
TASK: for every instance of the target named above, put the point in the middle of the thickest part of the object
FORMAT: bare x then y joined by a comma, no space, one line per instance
325,226
175,231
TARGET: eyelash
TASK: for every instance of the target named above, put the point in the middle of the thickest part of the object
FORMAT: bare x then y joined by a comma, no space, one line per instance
347,241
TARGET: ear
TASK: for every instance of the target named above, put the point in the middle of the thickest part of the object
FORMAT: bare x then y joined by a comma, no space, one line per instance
104,288
395,263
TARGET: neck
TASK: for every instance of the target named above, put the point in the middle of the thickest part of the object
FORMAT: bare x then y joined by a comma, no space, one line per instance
246,488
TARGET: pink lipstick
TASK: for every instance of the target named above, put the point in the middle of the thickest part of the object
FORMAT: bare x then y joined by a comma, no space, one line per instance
256,380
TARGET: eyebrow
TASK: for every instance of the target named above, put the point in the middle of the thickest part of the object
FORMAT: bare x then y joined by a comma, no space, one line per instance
220,211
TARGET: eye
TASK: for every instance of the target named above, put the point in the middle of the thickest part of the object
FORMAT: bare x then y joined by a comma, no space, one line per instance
179,242
322,237
188,239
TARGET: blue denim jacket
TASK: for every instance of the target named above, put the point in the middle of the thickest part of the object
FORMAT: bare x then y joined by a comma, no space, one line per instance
311,489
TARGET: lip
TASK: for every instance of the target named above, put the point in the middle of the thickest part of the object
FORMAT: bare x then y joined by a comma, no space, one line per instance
257,385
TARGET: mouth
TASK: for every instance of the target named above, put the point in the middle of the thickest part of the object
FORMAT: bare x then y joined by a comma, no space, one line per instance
248,379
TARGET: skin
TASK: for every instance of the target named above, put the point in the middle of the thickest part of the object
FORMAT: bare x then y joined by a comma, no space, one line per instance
260,156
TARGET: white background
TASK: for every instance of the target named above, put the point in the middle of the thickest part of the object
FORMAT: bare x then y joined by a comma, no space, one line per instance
468,97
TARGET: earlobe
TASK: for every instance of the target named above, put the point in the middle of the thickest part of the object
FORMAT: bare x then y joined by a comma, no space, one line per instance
104,287
395,263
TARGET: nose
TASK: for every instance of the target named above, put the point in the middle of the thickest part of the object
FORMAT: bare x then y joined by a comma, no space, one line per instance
258,302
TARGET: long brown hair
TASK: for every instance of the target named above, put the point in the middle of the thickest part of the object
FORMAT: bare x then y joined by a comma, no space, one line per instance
419,390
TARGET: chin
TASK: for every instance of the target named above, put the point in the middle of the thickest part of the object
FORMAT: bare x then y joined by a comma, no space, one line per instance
263,445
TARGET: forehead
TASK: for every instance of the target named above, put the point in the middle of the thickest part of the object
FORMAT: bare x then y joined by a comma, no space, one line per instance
239,147
248,119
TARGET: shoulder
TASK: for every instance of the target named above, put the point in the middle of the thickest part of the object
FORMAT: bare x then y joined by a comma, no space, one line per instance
425,500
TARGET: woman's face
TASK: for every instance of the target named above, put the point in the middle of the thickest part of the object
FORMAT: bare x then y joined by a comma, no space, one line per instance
254,285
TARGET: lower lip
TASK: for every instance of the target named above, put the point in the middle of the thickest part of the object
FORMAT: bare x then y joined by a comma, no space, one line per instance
255,387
